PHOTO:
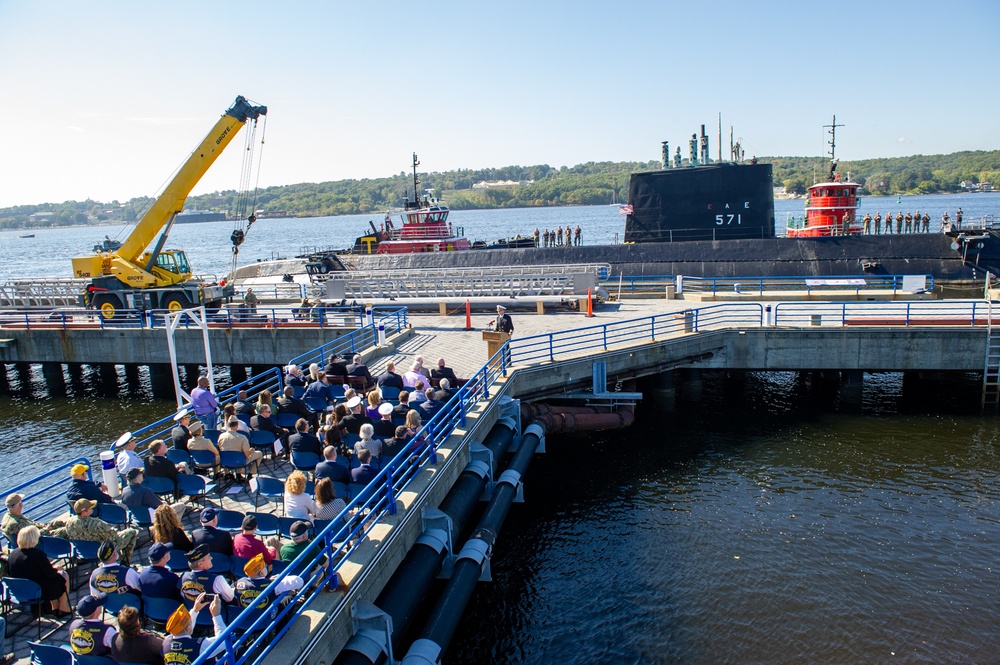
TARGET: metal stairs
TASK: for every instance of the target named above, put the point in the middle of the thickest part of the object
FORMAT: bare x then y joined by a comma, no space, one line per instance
991,371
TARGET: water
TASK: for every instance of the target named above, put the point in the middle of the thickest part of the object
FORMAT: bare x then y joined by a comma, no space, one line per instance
784,532
763,525
208,248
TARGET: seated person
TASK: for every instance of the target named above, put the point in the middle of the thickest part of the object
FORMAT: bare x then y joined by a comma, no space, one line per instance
232,440
355,418
111,577
132,644
217,540
374,446
199,442
248,545
180,645
137,496
442,371
262,422
157,580
358,368
384,427
302,441
81,488
336,369
127,459
200,580
297,502
29,562
84,526
389,377
288,403
399,411
14,520
159,465
365,472
180,434
89,635
331,468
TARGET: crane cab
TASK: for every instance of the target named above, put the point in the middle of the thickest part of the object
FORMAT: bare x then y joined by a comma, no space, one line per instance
171,267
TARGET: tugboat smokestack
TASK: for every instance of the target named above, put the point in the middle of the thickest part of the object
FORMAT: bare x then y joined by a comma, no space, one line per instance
665,155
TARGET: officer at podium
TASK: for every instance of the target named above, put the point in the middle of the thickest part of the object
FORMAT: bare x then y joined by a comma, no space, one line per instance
503,322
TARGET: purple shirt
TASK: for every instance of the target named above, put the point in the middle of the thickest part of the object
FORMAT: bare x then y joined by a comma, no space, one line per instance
203,401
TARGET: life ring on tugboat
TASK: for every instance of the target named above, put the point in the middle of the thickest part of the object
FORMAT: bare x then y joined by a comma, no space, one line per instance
385,235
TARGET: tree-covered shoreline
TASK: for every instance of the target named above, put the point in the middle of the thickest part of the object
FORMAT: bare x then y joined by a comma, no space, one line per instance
593,183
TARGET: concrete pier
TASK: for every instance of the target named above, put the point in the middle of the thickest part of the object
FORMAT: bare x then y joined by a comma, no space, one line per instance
662,391
691,384
851,388
55,381
161,380
4,383
23,378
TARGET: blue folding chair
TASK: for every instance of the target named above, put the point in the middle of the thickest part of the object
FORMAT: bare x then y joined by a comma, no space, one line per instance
45,654
305,461
85,551
263,441
203,459
230,520
390,392
140,516
86,659
177,562
278,566
212,435
178,456
116,601
268,487
317,404
335,391
115,515
234,461
195,487
287,420
160,486
285,525
238,562
158,610
298,392
354,489
17,591
244,418
340,490
267,524
221,563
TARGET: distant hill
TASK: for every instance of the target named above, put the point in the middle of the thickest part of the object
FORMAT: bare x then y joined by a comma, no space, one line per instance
592,183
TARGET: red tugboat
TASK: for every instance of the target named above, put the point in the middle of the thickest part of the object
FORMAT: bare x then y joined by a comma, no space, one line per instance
425,228
831,206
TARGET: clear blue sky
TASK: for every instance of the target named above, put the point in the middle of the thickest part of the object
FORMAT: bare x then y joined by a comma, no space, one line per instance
104,99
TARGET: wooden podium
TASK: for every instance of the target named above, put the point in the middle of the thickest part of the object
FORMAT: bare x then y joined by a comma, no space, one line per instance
494,340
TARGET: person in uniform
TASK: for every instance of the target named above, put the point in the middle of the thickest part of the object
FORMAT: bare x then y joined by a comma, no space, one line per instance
536,237
888,222
200,579
958,218
180,434
926,223
503,323
88,635
111,577
250,300
899,222
179,646
14,519
868,224
878,223
576,235
83,526
909,222
945,226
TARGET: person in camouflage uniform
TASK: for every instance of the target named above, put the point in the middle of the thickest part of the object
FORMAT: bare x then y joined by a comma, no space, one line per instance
85,527
14,519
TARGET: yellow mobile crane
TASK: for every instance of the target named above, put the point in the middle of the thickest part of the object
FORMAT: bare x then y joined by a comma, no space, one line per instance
135,277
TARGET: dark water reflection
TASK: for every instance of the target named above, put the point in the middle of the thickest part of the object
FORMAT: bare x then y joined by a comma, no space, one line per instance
761,526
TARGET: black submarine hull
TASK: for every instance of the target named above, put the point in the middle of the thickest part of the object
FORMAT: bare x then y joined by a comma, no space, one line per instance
915,254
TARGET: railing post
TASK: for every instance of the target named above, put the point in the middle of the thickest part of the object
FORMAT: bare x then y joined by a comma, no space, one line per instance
229,318
552,355
389,494
907,314
604,331
652,330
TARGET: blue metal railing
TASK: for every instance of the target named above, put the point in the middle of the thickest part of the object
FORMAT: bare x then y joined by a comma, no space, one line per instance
811,285
383,320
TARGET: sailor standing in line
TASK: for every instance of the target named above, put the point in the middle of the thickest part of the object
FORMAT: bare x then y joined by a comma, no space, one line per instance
958,218
899,222
878,223
927,223
868,224
503,322
909,222
888,222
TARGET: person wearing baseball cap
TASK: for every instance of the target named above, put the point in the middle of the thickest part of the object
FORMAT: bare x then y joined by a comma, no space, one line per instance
138,497
14,519
209,535
111,577
84,526
88,635
248,588
233,440
180,435
179,644
157,580
81,488
200,579
248,545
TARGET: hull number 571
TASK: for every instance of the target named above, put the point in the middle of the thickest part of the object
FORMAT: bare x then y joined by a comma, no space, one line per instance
727,220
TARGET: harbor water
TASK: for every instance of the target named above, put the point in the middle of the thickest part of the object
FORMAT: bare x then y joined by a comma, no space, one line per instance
765,523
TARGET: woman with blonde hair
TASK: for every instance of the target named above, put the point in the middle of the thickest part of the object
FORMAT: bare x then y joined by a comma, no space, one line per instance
412,422
265,398
167,529
29,562
374,399
297,503
313,372
328,506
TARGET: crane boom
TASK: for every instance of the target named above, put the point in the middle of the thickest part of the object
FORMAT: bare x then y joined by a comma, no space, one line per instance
134,265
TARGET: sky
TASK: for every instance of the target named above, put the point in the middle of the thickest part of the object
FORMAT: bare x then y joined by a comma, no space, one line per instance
104,100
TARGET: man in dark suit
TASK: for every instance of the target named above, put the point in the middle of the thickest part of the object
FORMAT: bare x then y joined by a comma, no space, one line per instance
331,468
399,411
430,406
295,378
442,371
336,367
243,405
364,473
263,422
157,464
358,368
302,441
215,539
389,377
289,403
384,427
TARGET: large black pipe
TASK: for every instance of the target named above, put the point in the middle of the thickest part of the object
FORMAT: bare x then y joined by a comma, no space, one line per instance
408,585
441,625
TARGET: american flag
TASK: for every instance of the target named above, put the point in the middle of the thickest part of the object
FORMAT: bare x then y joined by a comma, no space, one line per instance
625,209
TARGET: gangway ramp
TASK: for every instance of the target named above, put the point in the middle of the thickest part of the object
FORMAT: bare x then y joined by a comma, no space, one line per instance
31,292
